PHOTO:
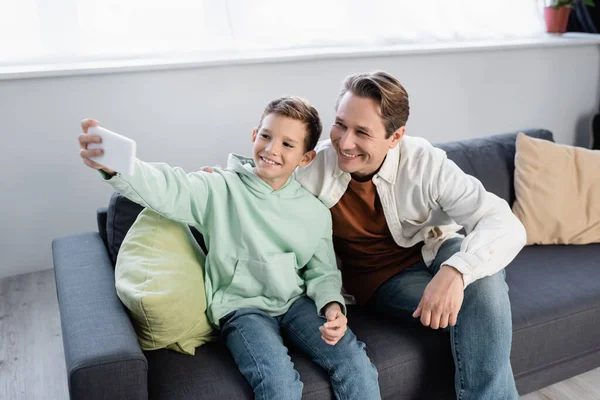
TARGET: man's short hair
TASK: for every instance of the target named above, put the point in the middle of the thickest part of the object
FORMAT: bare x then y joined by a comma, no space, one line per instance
386,91
301,110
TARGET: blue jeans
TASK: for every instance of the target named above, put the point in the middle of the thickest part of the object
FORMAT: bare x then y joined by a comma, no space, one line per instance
255,340
482,337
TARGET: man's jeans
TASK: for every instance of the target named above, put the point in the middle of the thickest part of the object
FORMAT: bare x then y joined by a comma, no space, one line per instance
255,341
482,336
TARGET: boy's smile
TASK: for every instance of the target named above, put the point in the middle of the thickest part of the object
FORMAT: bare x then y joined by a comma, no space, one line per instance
269,162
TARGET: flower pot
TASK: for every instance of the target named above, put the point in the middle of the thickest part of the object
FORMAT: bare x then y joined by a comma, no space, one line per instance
556,20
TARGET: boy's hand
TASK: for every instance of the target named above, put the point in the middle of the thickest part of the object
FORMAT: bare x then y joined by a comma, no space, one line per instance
84,140
336,325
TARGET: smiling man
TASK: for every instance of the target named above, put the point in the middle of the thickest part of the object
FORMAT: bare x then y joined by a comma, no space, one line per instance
397,204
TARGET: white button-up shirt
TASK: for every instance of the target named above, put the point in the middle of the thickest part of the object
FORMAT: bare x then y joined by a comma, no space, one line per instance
427,197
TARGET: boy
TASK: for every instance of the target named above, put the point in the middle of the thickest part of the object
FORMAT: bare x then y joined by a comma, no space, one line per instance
270,268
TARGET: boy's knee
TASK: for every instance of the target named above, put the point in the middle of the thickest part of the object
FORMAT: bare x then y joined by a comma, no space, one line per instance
365,367
279,386
357,362
358,377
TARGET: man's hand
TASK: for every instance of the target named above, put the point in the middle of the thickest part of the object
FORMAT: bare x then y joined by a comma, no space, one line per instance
442,299
84,140
336,325
210,170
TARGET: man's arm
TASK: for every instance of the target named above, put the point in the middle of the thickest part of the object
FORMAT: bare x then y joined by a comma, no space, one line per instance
494,234
168,191
312,176
494,237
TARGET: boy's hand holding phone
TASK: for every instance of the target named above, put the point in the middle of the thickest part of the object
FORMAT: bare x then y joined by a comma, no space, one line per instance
104,150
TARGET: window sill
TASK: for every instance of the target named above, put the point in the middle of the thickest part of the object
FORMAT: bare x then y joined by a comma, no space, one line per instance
157,64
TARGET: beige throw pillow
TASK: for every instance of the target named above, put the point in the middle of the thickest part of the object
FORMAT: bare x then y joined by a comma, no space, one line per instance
558,192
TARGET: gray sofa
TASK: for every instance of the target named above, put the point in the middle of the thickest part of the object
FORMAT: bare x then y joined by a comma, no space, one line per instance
554,290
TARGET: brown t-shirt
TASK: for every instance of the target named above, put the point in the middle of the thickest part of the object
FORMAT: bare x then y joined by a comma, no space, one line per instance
363,241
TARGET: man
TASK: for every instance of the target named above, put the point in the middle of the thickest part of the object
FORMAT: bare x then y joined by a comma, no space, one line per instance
397,204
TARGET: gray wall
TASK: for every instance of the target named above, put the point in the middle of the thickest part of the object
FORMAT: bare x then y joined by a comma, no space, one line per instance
194,117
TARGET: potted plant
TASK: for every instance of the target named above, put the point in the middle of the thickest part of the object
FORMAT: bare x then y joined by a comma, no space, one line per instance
556,14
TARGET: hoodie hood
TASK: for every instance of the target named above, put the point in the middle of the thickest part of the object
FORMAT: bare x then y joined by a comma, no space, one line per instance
244,167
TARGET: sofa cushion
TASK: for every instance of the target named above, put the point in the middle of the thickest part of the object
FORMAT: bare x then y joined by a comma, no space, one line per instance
122,213
555,301
408,359
491,159
159,277
555,305
558,192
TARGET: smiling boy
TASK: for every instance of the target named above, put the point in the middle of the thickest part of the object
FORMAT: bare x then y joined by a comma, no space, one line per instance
270,268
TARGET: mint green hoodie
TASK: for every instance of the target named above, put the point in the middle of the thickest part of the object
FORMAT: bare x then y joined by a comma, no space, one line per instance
266,247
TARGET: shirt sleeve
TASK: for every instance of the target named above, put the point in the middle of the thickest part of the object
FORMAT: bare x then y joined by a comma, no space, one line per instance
494,234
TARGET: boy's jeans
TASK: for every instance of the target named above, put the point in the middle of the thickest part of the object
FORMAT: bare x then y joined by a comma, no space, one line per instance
255,341
482,337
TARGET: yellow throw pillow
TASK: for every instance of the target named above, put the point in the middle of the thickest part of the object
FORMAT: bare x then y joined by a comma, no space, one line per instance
159,277
558,192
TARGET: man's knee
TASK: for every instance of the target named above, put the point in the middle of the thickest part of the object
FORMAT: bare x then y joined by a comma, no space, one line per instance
488,297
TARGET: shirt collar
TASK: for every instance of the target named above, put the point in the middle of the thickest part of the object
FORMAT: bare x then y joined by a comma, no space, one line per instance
389,169
337,172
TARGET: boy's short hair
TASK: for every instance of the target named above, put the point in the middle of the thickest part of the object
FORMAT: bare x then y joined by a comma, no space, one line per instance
301,110
386,91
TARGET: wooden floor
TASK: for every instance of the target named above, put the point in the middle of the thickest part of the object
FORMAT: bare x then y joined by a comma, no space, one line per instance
582,387
32,364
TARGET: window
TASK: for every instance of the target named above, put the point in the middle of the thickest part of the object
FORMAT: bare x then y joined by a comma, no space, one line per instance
67,31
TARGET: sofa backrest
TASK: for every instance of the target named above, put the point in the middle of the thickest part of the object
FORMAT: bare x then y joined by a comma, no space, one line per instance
121,214
491,159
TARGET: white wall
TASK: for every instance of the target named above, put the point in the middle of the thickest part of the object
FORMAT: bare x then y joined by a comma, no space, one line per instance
195,117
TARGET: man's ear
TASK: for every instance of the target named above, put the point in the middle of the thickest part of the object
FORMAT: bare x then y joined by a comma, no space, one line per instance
397,136
254,133
307,158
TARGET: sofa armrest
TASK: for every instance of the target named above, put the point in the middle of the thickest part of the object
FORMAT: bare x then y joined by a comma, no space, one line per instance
102,354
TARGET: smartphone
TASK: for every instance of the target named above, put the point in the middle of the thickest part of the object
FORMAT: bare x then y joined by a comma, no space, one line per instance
119,151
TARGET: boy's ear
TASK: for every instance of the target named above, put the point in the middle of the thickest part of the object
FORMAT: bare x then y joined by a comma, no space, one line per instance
307,158
397,136
254,133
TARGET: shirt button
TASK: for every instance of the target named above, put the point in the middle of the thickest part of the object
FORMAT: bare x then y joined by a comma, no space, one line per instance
492,251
